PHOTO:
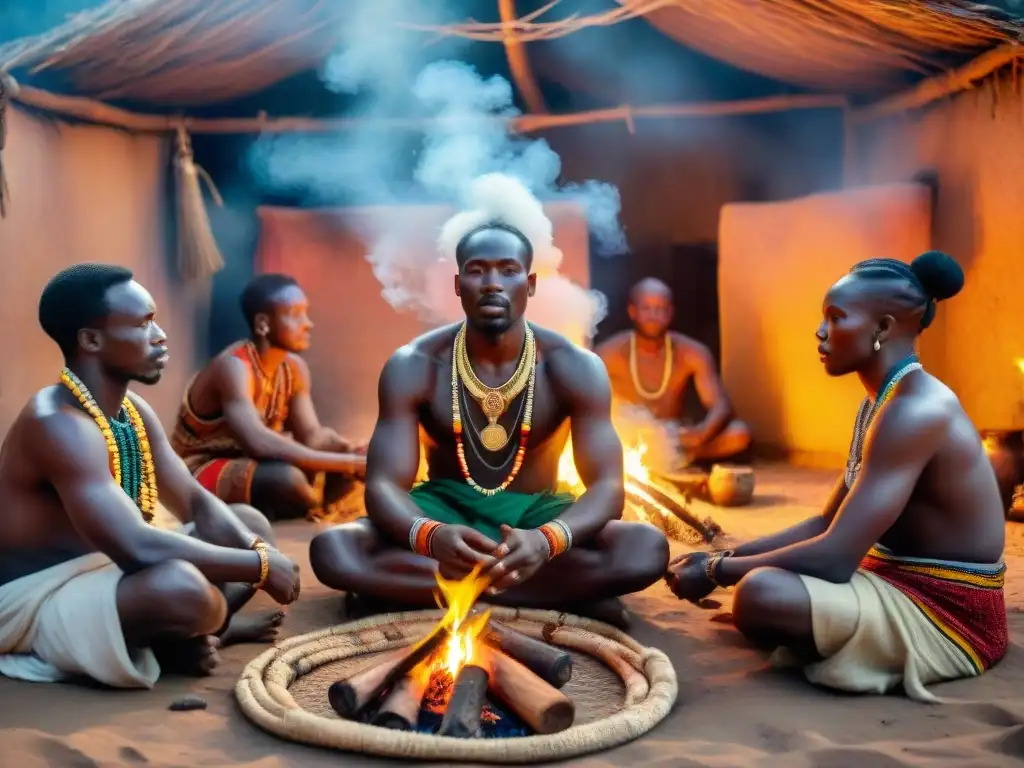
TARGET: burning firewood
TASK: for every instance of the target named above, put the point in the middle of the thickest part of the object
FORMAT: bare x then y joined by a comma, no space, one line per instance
465,707
551,664
401,709
642,492
542,707
350,696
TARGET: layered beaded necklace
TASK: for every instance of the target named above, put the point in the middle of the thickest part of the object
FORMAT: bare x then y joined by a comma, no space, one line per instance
494,401
868,411
131,459
458,349
634,372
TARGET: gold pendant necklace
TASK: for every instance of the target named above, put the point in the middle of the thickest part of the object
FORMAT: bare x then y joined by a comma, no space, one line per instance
494,401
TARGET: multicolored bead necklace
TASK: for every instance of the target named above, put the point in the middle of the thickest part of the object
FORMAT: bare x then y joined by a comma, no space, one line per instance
524,429
868,411
131,458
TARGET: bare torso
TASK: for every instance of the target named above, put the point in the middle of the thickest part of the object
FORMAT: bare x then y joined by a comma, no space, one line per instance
650,372
955,511
552,406
31,514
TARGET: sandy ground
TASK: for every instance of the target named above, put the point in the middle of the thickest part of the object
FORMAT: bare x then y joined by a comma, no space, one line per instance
732,709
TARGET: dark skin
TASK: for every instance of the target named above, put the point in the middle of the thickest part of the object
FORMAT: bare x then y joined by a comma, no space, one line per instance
282,485
609,557
179,593
720,434
925,488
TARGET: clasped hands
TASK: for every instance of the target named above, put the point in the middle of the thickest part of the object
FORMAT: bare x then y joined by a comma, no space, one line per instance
512,561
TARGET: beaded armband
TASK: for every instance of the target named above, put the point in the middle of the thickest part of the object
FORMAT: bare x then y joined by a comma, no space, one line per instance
421,535
558,536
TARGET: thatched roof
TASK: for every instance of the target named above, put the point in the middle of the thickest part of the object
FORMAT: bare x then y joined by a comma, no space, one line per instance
173,54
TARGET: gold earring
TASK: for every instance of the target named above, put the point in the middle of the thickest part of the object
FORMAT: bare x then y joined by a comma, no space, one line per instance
877,345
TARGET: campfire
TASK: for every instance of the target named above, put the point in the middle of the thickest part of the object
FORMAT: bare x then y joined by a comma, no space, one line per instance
649,498
448,675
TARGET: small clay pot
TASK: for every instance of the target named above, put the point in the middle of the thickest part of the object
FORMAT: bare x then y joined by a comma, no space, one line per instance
730,485
1005,449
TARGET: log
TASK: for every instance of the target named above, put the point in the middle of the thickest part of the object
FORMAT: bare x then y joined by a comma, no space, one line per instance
542,707
551,664
672,506
350,696
401,709
466,703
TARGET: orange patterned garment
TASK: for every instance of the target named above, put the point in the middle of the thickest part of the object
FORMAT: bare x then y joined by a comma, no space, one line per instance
207,444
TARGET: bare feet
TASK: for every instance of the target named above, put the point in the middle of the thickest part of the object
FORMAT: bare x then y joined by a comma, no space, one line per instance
257,628
196,656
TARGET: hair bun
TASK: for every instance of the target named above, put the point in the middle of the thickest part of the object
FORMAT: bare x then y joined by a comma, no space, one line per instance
940,275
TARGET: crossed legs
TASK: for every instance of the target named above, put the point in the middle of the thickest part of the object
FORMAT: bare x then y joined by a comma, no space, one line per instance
623,558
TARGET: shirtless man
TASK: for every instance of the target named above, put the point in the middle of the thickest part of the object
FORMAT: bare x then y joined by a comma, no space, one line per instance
652,366
229,428
87,587
901,578
540,548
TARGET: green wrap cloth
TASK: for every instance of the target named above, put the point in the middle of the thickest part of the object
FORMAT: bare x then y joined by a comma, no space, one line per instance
456,503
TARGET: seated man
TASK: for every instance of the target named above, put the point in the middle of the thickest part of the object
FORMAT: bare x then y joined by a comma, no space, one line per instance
514,393
229,429
653,366
901,579
87,586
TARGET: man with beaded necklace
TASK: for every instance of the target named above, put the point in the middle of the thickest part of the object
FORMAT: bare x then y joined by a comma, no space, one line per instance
900,580
652,366
88,586
495,399
232,422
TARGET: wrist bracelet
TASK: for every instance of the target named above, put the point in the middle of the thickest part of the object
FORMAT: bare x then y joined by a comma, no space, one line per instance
558,536
711,566
261,550
421,535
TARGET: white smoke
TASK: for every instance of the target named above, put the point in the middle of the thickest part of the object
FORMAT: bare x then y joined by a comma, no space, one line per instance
467,159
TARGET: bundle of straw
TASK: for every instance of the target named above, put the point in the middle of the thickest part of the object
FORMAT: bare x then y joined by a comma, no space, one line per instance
198,255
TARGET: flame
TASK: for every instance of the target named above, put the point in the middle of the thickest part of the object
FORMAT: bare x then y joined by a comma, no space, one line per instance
1020,364
636,475
463,626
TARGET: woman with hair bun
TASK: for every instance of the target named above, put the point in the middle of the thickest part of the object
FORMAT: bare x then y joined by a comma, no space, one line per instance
900,580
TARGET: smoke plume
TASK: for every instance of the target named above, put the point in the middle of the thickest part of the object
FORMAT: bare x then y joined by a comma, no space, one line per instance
462,156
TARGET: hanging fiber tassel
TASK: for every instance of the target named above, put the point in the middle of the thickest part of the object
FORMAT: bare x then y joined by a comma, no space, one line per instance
198,255
5,192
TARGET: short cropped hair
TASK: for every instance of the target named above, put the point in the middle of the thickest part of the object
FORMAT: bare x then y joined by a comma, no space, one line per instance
258,295
462,250
76,298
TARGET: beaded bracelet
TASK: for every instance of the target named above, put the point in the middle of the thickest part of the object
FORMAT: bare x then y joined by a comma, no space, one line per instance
421,535
558,536
261,550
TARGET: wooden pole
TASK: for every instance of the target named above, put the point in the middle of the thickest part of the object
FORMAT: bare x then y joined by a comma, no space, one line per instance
542,707
940,86
350,696
401,709
105,114
518,61
466,703
551,664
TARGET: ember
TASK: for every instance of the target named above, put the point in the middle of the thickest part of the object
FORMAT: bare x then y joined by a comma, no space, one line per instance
439,685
